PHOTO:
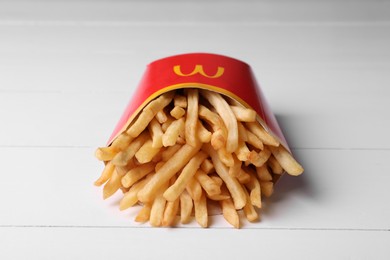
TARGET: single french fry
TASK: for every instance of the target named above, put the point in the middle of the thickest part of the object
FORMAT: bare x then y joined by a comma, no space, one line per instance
258,159
275,165
219,135
172,133
249,211
171,209
201,215
204,135
130,197
263,135
137,173
232,184
288,163
186,206
177,112
170,151
170,168
218,197
167,123
217,180
144,214
161,116
254,191
146,153
121,141
157,211
156,133
194,189
113,184
225,157
254,140
244,114
267,188
106,153
106,174
192,116
207,166
228,210
207,183
243,177
148,113
123,157
242,132
228,117
173,192
242,151
263,174
235,169
180,101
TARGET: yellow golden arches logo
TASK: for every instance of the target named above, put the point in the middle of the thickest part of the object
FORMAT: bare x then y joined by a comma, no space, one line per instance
199,69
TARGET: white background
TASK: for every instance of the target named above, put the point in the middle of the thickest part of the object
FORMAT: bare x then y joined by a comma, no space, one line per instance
68,69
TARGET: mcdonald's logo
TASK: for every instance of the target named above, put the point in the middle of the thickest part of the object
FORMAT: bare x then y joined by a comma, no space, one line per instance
199,69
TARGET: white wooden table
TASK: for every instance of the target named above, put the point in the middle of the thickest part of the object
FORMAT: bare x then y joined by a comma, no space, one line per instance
68,69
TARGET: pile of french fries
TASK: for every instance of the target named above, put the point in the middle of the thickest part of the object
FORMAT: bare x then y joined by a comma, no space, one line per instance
190,148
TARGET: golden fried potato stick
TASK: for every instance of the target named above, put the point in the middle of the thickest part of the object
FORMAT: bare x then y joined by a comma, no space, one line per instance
130,198
254,190
148,113
225,157
180,101
288,163
249,211
201,215
235,169
204,135
228,117
244,114
267,188
207,183
263,135
106,174
170,168
228,210
106,153
171,209
242,132
161,116
137,173
242,151
144,214
113,184
146,153
170,151
232,183
156,133
263,174
191,123
243,177
123,157
158,207
173,192
275,165
194,189
122,141
186,206
258,159
173,131
207,166
254,140
177,112
219,135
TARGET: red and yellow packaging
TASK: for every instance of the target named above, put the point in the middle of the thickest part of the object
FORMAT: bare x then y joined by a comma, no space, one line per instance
222,74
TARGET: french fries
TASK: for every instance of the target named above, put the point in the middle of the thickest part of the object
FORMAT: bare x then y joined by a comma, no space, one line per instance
190,147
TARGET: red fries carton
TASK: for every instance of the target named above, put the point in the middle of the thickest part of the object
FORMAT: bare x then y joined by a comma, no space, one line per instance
222,74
